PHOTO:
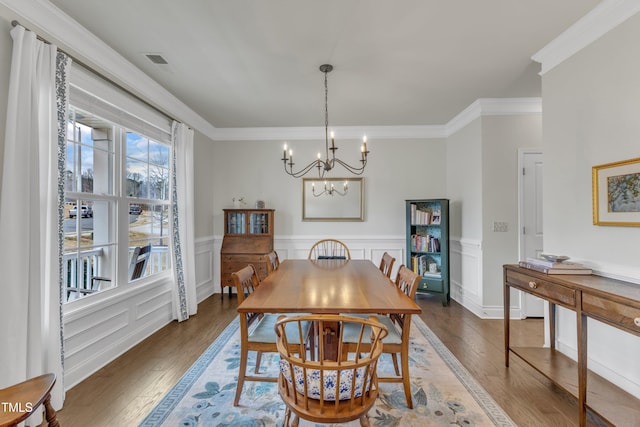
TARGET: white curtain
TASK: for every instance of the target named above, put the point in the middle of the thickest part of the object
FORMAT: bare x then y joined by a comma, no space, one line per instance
30,220
184,292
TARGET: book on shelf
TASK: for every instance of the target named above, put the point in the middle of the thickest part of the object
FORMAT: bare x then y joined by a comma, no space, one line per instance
554,264
552,270
420,266
423,215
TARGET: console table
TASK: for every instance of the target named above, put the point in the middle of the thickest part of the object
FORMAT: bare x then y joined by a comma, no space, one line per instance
610,301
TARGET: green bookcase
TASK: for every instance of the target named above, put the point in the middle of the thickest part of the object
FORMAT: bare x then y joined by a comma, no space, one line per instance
427,234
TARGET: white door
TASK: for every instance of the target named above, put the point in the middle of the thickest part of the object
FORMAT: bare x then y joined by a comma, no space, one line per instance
531,232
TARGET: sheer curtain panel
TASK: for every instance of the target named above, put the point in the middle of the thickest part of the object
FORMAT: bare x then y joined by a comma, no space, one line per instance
184,290
30,214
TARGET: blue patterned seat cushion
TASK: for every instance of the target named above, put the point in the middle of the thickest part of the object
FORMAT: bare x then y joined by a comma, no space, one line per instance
330,381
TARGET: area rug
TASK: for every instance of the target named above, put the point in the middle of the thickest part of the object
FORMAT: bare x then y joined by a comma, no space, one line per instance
444,393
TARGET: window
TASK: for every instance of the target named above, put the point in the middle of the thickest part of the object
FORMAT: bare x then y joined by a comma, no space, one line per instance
117,205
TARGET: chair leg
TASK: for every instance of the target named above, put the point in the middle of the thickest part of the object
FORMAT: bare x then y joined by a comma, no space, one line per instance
258,361
241,373
287,417
364,421
296,420
404,359
395,363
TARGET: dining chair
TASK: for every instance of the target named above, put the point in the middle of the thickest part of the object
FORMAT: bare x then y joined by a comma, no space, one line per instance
321,389
261,338
386,264
329,249
399,327
272,260
27,397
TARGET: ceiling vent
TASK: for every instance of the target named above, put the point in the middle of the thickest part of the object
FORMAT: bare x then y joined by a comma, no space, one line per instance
156,58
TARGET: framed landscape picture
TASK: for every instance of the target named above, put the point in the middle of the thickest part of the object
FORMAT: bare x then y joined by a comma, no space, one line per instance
616,193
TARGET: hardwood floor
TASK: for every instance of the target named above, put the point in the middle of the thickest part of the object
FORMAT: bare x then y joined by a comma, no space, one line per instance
123,392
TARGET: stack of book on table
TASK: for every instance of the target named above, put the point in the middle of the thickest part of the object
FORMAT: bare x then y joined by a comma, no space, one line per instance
554,267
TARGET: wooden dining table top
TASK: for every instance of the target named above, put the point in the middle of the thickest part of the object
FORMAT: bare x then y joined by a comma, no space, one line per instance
327,287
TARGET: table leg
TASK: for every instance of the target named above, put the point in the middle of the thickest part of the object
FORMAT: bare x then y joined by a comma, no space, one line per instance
50,413
507,310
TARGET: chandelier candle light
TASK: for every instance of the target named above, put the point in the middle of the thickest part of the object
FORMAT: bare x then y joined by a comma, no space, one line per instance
327,164
330,190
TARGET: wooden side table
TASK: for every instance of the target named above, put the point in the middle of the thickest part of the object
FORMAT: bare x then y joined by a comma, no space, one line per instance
19,401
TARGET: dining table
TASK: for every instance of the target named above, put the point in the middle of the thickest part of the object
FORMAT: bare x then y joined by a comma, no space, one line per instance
328,286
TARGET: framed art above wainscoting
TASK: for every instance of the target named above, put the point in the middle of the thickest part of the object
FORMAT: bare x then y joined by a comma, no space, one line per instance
616,193
333,199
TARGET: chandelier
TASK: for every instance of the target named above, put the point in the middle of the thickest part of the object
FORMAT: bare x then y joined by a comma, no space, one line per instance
330,161
330,190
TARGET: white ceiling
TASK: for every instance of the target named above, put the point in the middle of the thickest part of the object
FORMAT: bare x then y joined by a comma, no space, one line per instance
254,63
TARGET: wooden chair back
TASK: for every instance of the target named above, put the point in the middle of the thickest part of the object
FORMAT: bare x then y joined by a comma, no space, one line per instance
407,281
315,386
246,281
386,264
329,249
272,260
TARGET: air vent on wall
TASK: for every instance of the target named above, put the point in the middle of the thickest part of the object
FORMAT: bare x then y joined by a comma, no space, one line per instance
156,58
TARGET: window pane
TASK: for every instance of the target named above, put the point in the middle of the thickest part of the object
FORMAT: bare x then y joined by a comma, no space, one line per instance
158,154
137,179
137,147
89,249
149,227
147,168
90,154
158,182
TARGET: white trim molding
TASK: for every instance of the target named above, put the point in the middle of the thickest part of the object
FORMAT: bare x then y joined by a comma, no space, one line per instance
493,107
602,19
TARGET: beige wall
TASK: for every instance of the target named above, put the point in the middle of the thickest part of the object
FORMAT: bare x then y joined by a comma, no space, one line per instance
397,170
502,136
203,177
591,107
464,181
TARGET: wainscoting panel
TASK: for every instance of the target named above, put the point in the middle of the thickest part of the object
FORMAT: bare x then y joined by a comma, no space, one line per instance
466,274
205,268
97,330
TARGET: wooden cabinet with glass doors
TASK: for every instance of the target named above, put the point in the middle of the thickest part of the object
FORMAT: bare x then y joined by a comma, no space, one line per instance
248,237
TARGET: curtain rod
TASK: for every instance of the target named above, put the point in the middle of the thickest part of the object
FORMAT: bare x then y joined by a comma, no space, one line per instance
15,23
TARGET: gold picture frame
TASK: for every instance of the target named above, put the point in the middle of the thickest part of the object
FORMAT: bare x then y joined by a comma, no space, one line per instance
326,199
616,193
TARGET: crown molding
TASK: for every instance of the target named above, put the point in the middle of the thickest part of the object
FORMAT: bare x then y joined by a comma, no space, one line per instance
602,19
318,132
480,107
493,107
44,18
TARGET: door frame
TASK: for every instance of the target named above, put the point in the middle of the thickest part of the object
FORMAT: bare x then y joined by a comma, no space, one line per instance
522,152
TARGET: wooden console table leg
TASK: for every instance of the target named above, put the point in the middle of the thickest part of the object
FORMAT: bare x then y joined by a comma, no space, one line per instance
582,360
507,309
552,325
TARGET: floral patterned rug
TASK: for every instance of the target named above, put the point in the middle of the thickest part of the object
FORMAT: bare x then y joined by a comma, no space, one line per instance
444,393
